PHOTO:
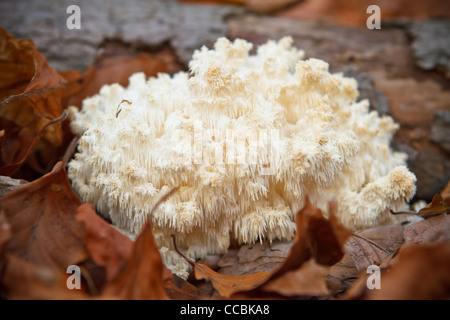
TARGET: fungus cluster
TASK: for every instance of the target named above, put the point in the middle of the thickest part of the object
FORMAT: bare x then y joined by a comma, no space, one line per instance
245,138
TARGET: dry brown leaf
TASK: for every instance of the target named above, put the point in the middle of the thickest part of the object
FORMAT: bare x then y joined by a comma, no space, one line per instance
225,284
24,280
446,192
308,280
179,289
30,90
316,238
341,274
27,144
42,219
437,206
429,230
143,276
106,246
5,233
374,245
419,272
115,69
250,258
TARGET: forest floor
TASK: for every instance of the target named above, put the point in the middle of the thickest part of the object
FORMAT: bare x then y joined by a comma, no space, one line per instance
402,68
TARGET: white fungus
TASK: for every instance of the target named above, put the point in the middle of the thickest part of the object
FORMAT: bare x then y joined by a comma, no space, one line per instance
246,138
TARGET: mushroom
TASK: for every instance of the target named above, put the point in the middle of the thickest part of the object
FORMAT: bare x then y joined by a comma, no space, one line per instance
245,138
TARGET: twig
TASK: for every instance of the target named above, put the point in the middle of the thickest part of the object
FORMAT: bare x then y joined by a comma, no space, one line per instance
192,263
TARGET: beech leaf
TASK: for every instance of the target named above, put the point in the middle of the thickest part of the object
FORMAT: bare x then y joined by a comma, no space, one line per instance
106,246
41,215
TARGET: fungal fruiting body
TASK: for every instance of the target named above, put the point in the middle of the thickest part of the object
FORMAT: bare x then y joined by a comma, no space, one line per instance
245,138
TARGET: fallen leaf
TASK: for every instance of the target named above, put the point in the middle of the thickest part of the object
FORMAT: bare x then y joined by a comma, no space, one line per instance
437,206
326,237
317,237
250,258
374,245
226,285
341,275
420,272
430,230
106,246
308,280
5,233
143,275
446,192
179,289
115,69
30,90
27,144
317,241
28,281
42,219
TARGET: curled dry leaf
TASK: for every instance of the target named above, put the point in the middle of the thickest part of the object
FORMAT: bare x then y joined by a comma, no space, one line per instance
437,206
143,276
318,243
225,284
27,144
106,246
30,90
42,219
418,272
430,230
179,289
317,237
